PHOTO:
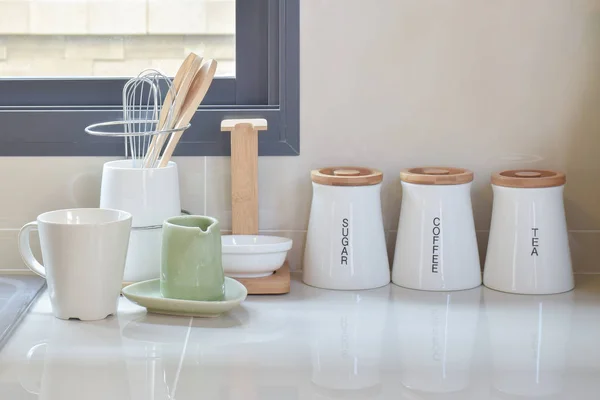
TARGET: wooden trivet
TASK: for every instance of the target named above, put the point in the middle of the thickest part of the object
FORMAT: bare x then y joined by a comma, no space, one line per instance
278,283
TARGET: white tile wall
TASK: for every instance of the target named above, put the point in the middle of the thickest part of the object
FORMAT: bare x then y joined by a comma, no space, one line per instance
191,183
11,260
484,86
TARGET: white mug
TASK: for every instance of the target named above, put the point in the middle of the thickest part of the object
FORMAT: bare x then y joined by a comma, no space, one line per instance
84,254
528,248
436,247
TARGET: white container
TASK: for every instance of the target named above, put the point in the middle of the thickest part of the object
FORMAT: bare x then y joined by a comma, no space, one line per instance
436,247
528,249
143,257
253,256
151,195
345,244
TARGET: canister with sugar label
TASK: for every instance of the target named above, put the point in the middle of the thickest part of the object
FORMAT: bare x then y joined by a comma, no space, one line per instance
345,244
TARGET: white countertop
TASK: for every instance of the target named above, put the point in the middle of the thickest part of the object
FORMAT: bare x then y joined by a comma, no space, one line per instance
388,343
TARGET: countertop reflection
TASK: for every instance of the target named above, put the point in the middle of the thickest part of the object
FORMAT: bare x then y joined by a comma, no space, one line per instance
387,343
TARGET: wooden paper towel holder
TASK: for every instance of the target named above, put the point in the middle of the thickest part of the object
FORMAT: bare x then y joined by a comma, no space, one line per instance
244,197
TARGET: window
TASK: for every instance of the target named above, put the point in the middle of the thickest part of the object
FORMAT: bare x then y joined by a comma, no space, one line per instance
63,64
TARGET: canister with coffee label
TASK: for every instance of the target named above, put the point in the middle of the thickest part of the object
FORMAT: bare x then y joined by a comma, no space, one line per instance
345,244
436,246
528,248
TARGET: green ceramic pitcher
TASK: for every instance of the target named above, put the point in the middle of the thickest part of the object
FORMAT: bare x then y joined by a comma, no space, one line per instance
191,267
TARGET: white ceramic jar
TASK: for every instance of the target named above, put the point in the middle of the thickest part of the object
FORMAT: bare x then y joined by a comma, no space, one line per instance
345,244
150,195
436,247
528,249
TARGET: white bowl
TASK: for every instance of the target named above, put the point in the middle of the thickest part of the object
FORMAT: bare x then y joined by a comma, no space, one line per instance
253,256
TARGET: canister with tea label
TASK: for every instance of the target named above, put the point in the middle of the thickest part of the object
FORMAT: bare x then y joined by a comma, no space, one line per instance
528,248
345,244
436,247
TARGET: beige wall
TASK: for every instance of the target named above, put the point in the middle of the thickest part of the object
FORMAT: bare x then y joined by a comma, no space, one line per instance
393,84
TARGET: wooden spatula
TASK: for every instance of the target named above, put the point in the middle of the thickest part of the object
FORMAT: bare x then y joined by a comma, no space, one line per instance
181,85
195,95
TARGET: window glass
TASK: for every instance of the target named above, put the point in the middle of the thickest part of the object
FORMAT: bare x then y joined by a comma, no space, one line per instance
112,38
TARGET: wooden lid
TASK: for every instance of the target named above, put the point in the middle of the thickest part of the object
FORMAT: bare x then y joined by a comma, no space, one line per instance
346,176
529,178
436,175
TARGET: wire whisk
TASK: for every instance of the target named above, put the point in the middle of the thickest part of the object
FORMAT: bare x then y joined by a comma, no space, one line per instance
142,98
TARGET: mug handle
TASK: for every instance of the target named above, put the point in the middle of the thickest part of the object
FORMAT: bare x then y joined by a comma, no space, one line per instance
25,249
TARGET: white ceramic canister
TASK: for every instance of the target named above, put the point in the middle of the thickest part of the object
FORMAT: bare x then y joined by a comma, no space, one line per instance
436,247
528,249
150,195
345,244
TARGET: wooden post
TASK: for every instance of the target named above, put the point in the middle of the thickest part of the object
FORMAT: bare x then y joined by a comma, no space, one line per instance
244,173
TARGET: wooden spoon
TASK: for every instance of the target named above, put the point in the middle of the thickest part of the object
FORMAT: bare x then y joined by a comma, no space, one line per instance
181,85
196,94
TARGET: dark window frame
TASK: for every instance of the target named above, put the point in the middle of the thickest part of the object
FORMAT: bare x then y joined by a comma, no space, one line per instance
47,117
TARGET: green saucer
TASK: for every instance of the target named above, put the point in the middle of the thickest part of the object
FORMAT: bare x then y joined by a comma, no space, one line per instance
147,294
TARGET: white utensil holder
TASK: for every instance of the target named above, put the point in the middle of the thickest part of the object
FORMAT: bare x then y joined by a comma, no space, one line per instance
150,195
